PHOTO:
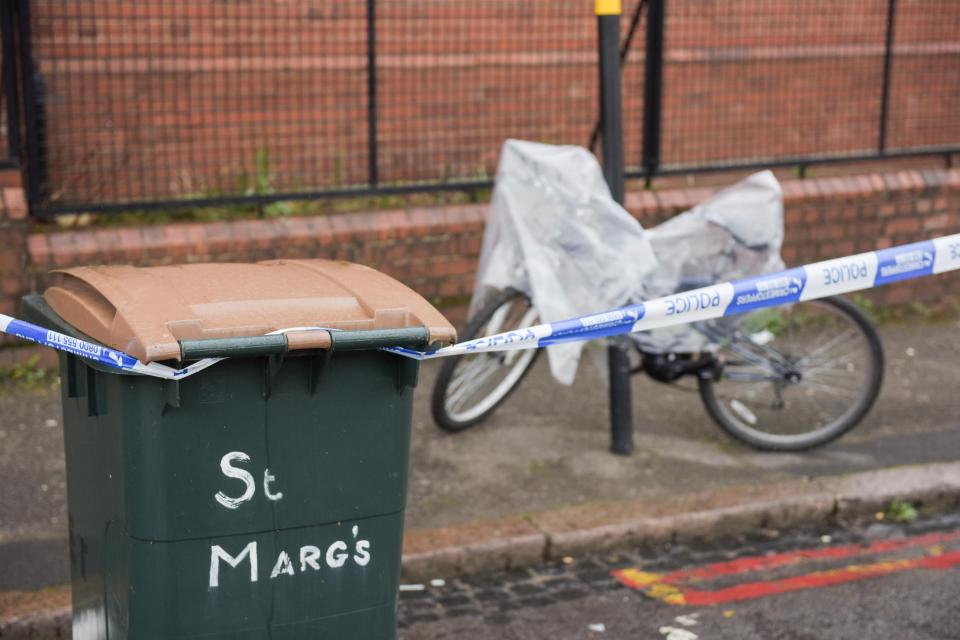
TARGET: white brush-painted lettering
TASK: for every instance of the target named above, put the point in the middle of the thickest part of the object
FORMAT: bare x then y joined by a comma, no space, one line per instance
312,558
217,553
309,557
227,463
283,565
268,478
362,556
336,560
239,474
361,548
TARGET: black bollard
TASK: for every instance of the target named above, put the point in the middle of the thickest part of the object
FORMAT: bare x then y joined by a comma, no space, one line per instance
621,409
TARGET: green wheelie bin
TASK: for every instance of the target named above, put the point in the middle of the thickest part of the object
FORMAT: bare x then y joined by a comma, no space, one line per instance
262,497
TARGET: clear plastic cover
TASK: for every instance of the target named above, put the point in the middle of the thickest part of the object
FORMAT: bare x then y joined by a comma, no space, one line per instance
735,234
556,234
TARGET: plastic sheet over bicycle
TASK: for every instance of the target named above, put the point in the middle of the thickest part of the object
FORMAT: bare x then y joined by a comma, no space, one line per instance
556,235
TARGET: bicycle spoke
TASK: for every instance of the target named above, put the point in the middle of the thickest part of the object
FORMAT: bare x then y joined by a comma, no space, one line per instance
828,364
456,398
746,376
744,352
466,375
831,389
836,378
773,353
851,333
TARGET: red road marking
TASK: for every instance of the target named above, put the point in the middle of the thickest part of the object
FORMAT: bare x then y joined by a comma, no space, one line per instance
667,587
818,579
758,563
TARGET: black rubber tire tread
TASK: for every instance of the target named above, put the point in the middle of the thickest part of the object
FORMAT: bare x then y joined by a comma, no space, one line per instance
437,404
875,348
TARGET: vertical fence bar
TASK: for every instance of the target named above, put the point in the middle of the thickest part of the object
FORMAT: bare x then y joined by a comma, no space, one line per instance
611,103
11,94
887,65
33,110
653,88
611,126
624,52
372,92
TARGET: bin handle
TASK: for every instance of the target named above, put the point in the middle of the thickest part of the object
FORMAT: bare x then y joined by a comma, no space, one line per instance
302,338
246,347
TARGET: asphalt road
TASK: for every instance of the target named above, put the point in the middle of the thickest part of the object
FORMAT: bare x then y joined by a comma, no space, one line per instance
894,597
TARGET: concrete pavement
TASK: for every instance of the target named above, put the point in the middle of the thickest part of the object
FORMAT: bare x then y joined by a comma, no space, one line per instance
547,446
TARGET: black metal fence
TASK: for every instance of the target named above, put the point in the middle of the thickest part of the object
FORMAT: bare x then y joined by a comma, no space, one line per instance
752,83
10,102
155,103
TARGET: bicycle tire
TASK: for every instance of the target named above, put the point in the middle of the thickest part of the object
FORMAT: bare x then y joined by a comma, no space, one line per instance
444,414
823,382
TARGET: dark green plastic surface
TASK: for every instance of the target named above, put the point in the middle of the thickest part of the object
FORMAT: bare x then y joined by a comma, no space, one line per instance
144,467
412,337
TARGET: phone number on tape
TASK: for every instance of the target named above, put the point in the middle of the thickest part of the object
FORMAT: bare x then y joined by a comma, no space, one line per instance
72,343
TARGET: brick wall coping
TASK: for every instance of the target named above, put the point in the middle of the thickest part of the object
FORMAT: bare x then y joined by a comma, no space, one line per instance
238,239
811,190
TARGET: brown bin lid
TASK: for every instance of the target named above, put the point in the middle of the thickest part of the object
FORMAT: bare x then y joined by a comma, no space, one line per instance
145,311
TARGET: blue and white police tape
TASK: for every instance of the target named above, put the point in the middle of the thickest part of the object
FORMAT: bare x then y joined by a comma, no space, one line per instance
809,282
103,355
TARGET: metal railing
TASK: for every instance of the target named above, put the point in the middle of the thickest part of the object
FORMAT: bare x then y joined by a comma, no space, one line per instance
156,104
10,146
862,80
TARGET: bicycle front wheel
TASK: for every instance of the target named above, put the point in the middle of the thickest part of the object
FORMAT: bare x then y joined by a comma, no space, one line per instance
794,377
469,388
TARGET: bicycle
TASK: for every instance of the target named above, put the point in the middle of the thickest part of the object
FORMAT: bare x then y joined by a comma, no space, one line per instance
788,378
782,378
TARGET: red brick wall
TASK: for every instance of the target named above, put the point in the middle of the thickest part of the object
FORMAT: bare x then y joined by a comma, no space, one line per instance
148,100
435,250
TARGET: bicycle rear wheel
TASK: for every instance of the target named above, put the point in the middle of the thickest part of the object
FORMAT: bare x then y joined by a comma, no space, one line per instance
469,388
794,377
